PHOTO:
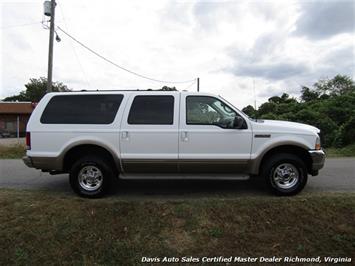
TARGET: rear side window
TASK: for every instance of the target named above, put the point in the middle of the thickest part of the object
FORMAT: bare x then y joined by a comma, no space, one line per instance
82,109
152,110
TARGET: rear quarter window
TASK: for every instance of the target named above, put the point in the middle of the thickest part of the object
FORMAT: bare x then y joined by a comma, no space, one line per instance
152,110
82,109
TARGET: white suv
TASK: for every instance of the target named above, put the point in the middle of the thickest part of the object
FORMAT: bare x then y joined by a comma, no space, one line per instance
98,136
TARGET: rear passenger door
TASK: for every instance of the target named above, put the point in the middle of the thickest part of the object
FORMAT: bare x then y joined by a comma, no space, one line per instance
149,133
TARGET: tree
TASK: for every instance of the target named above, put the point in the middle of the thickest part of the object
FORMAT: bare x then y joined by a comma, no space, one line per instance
348,131
166,88
309,95
336,86
285,98
329,105
275,99
250,111
268,107
35,90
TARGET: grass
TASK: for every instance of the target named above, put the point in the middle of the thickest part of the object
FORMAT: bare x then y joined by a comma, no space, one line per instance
43,228
347,151
15,151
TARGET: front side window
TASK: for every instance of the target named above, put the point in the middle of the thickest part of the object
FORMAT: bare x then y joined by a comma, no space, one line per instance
205,110
152,110
82,109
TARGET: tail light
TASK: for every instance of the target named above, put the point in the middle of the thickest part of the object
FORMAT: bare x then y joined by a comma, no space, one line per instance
318,145
28,140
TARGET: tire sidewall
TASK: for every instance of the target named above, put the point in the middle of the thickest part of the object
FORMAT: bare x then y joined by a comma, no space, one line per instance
280,159
90,161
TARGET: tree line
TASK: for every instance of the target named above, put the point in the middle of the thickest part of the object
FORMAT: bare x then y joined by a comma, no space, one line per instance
329,105
37,88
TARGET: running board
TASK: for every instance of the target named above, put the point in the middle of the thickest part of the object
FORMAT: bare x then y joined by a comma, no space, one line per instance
185,177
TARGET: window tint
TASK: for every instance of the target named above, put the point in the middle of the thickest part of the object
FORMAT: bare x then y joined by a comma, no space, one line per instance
82,109
205,110
152,110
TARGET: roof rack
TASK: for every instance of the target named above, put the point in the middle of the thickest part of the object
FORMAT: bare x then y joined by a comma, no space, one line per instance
124,90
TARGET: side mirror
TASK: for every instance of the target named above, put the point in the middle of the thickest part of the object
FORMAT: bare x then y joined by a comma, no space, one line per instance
238,122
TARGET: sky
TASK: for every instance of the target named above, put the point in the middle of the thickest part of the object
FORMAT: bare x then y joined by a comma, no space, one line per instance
278,46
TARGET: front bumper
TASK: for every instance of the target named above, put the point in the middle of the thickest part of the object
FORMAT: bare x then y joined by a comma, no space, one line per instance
318,159
28,161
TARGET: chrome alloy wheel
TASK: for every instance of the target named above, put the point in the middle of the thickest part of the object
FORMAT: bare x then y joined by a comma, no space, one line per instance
90,178
285,175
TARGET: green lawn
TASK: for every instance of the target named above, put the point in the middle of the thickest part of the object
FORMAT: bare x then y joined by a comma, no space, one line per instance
12,152
52,228
348,151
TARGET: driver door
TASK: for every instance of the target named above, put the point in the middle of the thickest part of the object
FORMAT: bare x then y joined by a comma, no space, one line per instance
208,143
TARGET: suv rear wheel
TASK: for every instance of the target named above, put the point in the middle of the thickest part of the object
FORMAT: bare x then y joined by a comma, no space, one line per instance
90,176
285,174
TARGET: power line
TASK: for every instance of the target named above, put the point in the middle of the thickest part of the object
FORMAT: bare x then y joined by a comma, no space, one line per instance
189,86
121,67
74,50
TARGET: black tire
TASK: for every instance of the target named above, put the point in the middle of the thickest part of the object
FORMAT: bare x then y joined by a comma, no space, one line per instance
285,174
91,166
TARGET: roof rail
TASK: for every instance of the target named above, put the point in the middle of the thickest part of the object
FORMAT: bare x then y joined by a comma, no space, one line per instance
124,90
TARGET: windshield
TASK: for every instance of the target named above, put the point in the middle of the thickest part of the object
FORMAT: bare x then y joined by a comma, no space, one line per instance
237,109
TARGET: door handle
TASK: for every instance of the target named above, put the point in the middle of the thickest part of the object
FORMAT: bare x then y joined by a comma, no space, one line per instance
125,135
184,136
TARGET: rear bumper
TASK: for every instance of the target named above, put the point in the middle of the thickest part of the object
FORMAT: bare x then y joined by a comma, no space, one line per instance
44,163
318,159
28,161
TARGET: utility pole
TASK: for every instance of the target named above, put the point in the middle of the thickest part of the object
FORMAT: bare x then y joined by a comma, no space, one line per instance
198,84
50,51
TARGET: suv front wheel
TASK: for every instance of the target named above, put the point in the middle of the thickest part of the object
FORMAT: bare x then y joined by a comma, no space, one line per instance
285,174
90,177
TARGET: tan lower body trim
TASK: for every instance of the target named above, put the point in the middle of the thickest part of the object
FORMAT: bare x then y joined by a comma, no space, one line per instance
184,166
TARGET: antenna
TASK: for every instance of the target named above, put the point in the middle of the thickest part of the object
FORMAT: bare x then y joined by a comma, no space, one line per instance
256,113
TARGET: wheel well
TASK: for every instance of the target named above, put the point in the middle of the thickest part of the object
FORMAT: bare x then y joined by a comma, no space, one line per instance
88,149
291,149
